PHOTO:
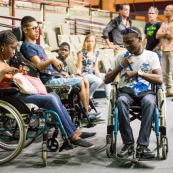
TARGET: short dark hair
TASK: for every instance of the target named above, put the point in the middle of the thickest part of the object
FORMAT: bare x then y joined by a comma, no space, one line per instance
26,20
121,6
65,44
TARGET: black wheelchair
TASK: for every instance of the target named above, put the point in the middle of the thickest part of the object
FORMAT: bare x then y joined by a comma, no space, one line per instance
68,95
20,125
159,122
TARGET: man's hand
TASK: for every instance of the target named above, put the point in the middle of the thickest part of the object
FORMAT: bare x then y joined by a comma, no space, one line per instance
129,75
58,64
113,46
126,61
64,74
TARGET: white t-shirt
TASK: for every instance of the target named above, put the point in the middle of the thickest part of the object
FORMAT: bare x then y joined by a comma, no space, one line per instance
146,62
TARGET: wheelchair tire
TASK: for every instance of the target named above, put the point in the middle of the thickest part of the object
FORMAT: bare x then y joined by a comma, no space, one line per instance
162,102
12,132
44,157
164,147
110,150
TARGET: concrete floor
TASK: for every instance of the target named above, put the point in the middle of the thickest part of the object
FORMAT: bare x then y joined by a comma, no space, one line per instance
92,160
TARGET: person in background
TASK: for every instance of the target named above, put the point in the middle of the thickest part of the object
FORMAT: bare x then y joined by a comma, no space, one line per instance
87,66
112,32
151,28
8,43
140,68
165,34
64,52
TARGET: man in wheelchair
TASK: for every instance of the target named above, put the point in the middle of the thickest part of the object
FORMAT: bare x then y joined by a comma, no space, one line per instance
48,67
138,69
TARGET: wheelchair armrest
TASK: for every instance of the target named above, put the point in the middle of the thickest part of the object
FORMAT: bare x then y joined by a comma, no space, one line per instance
114,83
10,90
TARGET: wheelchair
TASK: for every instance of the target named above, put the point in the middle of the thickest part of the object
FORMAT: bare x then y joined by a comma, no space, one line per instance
21,126
159,123
68,95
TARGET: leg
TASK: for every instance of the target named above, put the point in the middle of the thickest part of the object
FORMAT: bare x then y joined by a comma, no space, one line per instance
107,87
83,96
166,72
52,101
148,104
123,105
94,82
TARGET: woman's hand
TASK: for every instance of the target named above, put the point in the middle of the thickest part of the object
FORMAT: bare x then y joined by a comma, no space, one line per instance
10,70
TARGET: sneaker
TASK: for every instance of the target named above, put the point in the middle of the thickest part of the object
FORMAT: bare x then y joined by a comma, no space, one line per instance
127,150
82,143
95,115
144,152
85,135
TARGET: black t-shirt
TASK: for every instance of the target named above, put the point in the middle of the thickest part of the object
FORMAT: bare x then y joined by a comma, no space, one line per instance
150,31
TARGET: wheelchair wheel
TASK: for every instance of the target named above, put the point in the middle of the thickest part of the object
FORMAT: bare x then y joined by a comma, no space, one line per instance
162,116
12,132
110,152
164,147
162,107
44,157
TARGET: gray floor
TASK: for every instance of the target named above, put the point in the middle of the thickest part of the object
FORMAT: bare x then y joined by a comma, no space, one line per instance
95,159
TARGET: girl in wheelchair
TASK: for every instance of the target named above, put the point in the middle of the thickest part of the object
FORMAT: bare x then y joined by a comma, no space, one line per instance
137,71
8,44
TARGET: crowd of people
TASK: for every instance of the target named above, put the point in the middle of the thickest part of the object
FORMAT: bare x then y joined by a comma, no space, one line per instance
142,66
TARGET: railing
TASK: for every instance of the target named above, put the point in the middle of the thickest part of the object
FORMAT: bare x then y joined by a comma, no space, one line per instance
12,26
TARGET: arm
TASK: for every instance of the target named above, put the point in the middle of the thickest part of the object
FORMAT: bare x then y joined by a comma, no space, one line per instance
111,74
145,41
79,63
8,70
154,78
41,65
96,69
161,33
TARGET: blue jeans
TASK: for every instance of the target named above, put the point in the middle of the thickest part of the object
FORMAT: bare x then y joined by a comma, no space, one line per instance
95,83
74,82
51,102
148,104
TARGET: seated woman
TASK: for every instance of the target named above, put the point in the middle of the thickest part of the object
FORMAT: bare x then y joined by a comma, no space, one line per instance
8,44
87,65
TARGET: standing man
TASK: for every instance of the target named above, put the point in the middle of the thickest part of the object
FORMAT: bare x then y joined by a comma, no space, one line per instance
141,68
165,33
150,31
112,32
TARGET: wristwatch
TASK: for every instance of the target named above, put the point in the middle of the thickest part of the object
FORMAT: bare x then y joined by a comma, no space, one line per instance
140,72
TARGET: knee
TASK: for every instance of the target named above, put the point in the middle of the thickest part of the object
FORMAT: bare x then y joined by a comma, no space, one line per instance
121,100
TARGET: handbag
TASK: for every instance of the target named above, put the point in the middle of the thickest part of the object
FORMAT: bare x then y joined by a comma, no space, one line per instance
29,85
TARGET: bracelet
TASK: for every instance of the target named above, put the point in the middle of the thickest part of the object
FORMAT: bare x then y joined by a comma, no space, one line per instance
121,65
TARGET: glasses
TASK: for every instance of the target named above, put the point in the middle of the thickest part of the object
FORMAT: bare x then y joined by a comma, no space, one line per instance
34,28
129,30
